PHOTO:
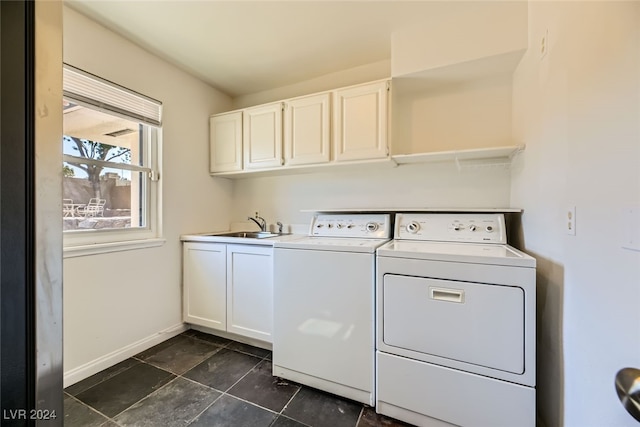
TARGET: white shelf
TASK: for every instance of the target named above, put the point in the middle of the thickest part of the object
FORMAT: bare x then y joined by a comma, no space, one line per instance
414,209
487,156
473,158
295,169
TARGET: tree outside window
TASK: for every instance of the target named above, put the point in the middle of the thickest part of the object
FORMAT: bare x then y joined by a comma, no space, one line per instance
103,165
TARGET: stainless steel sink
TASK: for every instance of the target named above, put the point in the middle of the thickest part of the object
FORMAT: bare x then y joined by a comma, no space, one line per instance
247,234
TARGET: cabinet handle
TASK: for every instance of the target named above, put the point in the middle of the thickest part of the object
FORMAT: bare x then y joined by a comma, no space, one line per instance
449,295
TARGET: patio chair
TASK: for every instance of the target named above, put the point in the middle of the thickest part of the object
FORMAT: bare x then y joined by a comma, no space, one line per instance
67,207
94,208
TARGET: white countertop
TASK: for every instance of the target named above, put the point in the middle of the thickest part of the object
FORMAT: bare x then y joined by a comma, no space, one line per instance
215,237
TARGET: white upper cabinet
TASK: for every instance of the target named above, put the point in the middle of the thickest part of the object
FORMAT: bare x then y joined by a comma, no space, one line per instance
262,136
311,132
360,122
307,130
225,136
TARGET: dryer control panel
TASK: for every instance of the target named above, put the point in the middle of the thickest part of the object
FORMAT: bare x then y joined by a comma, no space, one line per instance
451,227
368,226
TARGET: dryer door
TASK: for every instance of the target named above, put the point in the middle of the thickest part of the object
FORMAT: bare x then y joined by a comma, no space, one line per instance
474,323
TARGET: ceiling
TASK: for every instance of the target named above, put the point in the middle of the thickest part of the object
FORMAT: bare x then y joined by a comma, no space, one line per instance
245,47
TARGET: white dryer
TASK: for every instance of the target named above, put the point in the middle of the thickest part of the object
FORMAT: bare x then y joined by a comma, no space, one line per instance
324,287
455,323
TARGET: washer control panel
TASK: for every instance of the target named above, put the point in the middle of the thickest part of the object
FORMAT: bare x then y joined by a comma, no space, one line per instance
452,227
373,226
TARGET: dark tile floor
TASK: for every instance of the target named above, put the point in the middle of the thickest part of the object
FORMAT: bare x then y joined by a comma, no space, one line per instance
197,379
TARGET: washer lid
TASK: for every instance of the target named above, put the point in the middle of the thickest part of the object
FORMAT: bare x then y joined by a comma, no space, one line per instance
477,253
335,244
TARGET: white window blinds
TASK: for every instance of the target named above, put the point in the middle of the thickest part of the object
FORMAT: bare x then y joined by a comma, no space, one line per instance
92,90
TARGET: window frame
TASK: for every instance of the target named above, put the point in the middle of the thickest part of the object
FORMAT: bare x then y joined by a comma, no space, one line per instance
90,242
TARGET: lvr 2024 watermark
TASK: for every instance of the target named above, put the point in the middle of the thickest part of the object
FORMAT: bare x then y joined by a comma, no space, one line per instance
28,414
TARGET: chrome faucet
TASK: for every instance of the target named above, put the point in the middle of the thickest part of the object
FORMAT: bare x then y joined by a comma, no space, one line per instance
279,224
260,222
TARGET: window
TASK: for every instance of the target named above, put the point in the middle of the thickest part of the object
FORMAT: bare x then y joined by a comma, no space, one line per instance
111,159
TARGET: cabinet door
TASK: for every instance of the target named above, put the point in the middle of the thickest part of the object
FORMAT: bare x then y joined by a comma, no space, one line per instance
204,284
360,122
262,136
225,141
250,291
307,130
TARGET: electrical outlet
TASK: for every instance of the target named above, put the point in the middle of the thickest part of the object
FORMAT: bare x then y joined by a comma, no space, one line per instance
544,44
571,220
630,228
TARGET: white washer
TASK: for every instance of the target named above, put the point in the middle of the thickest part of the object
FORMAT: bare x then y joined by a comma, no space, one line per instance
324,288
455,323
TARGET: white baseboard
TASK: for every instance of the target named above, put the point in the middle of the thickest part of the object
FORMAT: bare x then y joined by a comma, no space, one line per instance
84,371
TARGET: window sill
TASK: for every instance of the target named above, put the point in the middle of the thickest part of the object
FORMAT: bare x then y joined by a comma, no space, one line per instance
103,248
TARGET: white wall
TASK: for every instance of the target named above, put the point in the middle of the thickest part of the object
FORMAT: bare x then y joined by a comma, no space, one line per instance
365,73
578,111
459,32
281,198
116,300
474,114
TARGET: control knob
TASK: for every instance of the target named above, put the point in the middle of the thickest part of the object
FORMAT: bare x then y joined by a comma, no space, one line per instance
371,226
329,225
489,228
472,228
413,227
339,225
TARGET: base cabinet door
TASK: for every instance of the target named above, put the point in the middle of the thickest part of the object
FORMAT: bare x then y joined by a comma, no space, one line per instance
204,282
250,291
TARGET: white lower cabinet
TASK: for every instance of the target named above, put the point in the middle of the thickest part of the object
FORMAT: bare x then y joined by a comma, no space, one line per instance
229,288
250,291
205,284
